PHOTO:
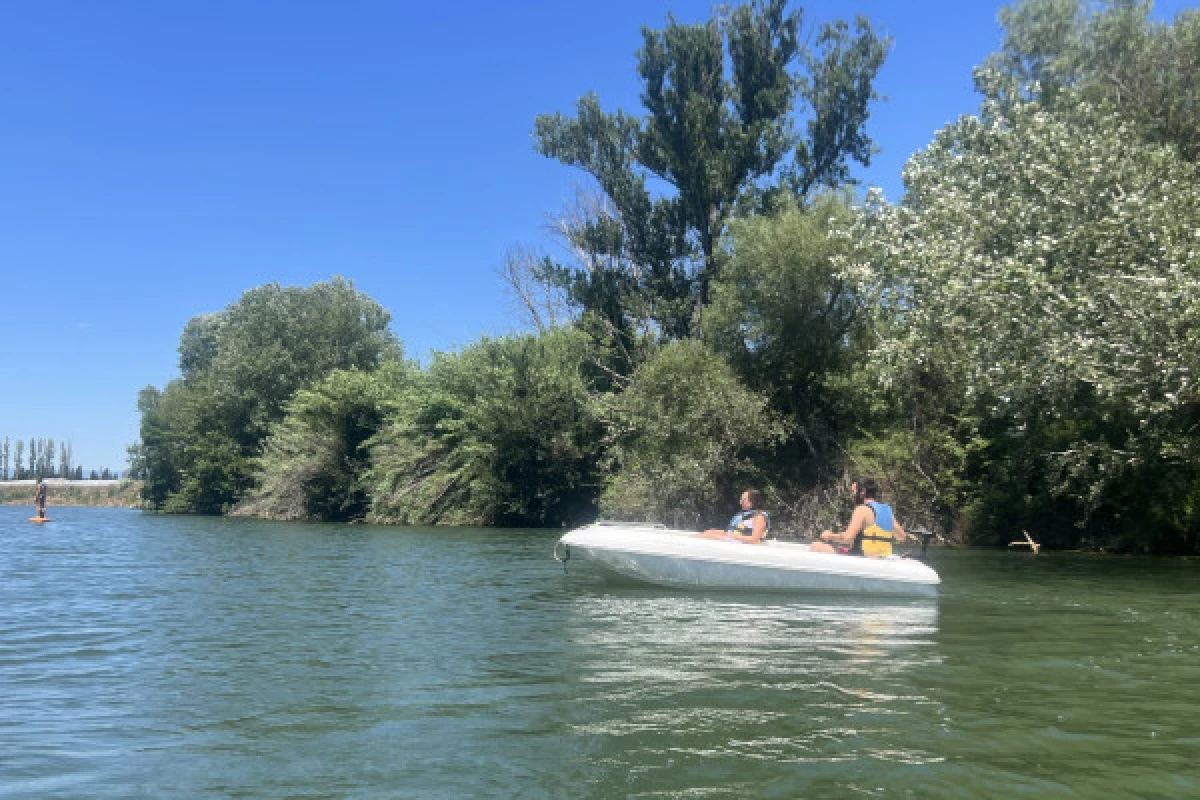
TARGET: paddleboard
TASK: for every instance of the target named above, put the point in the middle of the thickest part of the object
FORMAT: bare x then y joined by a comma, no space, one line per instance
39,519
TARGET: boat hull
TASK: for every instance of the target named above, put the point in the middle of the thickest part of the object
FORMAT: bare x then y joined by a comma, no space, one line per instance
680,560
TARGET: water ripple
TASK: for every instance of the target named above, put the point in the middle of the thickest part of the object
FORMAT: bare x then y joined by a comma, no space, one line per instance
147,656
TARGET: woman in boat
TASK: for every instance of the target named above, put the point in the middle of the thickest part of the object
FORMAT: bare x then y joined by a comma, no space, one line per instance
748,526
872,530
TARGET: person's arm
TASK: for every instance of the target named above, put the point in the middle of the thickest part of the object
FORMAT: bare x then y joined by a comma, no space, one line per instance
758,529
898,531
858,521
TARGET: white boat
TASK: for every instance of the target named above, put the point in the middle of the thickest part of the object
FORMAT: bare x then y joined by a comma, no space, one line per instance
659,555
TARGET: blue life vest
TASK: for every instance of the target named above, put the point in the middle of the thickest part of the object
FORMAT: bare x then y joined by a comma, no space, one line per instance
743,522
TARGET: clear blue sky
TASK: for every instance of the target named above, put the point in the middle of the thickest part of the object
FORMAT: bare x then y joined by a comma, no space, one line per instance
157,159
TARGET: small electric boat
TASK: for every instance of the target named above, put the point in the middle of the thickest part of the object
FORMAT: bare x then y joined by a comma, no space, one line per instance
666,557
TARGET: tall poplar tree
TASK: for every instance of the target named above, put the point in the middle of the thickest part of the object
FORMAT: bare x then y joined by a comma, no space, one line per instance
719,135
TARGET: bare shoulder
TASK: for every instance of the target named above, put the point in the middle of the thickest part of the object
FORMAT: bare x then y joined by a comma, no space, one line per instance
860,519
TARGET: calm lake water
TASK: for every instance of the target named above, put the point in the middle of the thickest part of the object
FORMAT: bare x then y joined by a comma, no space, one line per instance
150,656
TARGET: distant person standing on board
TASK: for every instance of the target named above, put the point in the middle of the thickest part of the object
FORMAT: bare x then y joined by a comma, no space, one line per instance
872,530
39,498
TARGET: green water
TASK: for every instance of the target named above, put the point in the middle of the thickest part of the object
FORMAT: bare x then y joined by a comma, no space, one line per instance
148,656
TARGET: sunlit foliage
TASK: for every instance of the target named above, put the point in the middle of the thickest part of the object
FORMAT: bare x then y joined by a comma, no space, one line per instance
314,462
502,432
1049,264
684,433
722,102
789,324
240,367
1112,53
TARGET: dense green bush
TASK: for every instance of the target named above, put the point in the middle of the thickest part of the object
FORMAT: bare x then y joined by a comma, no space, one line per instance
682,435
1048,263
315,460
503,432
240,367
790,326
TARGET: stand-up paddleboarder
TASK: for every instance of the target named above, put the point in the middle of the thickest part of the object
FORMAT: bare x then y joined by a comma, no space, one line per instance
39,498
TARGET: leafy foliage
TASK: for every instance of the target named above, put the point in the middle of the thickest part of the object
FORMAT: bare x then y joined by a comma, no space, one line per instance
41,460
253,356
719,134
683,432
1148,71
501,433
788,322
314,462
240,368
169,420
1049,262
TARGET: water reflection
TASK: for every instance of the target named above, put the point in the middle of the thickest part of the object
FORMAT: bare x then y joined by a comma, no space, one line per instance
669,680
733,636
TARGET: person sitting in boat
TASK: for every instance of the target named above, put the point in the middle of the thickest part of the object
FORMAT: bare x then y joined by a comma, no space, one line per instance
749,526
872,530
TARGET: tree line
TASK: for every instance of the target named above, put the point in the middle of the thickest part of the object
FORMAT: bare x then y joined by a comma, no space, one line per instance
39,459
1011,346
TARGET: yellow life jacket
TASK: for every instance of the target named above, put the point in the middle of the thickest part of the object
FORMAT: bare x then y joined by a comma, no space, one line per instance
874,541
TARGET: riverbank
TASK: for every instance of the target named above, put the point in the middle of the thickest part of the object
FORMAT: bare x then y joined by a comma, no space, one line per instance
63,492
